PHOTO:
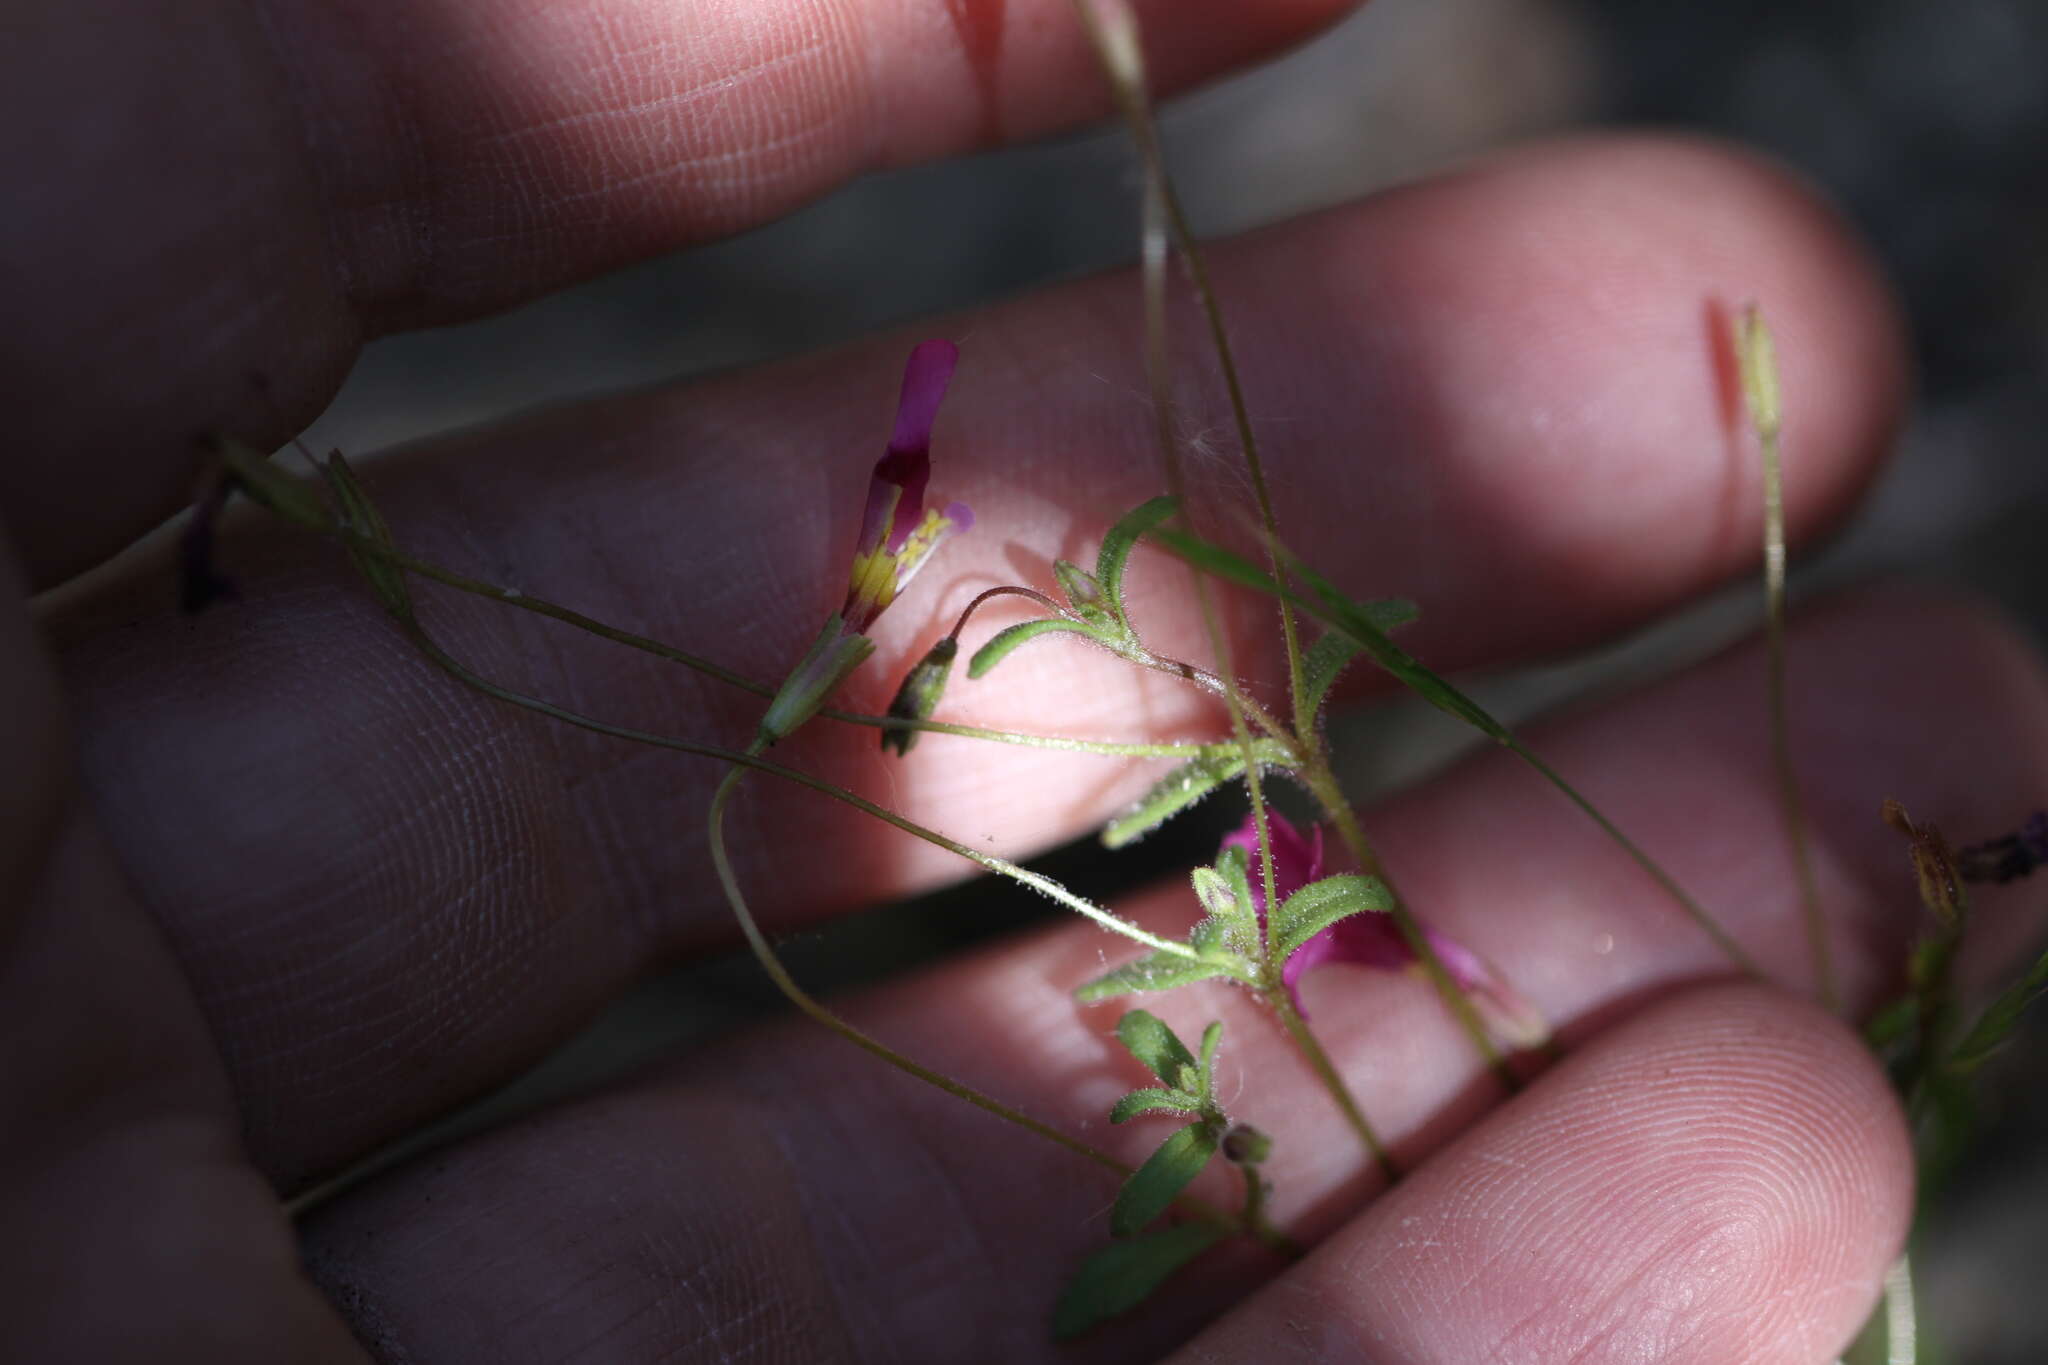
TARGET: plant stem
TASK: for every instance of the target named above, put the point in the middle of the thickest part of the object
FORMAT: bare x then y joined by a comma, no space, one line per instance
513,597
1319,1061
1707,923
989,862
1789,795
804,1001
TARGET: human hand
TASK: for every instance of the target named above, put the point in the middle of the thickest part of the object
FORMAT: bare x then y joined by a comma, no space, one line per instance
283,893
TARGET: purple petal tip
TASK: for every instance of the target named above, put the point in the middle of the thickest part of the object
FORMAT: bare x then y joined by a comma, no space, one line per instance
925,378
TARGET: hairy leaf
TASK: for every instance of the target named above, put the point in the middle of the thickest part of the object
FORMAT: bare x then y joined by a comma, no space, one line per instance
1149,1040
1154,1101
1322,665
1211,1037
1005,641
1156,972
1320,904
1177,791
1117,543
1153,1187
1123,1275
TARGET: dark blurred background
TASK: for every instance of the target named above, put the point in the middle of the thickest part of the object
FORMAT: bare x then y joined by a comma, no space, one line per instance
1927,120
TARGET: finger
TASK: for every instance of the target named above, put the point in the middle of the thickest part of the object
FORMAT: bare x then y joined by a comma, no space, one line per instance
1723,1178
315,175
507,874
733,1153
121,1178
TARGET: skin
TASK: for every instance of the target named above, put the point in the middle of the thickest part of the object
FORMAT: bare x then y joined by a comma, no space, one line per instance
278,893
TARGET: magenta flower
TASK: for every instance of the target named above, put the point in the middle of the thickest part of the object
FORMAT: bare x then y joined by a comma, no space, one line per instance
1372,939
897,535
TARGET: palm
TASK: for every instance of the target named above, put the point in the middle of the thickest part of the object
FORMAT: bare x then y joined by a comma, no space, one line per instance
315,895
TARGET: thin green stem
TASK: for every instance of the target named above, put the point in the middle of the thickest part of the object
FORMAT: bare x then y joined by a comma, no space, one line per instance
1166,218
1322,784
1789,794
513,597
1326,1071
1707,923
804,1001
989,862
1256,1220
1123,63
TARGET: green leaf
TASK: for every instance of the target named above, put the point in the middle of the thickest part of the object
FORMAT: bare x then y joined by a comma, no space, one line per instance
360,515
1123,1275
1323,663
1211,1036
1321,904
1154,1101
1157,972
1003,642
1365,622
1994,1027
1153,1187
1234,865
1154,1044
1893,1022
1175,792
1116,549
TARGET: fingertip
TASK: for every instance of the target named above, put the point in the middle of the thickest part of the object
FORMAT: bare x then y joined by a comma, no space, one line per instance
1725,1177
1548,326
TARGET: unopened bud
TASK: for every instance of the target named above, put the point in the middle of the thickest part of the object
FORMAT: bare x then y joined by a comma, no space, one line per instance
1245,1145
920,693
1083,591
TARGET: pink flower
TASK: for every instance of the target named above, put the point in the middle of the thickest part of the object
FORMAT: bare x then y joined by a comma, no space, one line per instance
897,535
1372,939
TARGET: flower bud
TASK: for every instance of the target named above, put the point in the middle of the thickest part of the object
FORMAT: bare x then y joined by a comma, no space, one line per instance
1245,1145
920,693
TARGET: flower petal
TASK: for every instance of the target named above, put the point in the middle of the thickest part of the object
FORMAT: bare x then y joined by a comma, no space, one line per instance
1296,861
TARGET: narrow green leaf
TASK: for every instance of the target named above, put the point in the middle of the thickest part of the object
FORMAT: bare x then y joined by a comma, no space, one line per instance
1123,1275
1154,1044
1365,622
1003,642
1211,1037
1321,904
1177,791
1893,1022
1994,1027
360,515
1322,665
1116,549
1155,972
1153,1187
1235,867
1154,1101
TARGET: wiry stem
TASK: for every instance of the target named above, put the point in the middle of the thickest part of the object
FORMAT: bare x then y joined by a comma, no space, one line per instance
1333,1081
513,597
1759,367
987,861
